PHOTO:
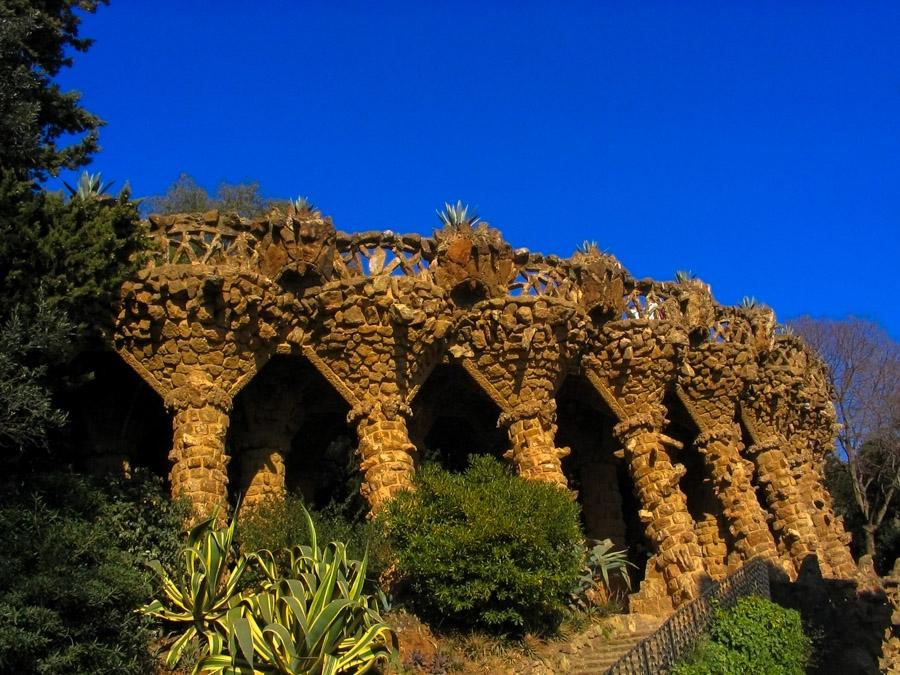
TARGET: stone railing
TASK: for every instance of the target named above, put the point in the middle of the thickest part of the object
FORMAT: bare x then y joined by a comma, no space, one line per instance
658,652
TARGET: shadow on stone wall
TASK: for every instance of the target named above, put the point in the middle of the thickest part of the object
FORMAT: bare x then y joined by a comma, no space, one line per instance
847,621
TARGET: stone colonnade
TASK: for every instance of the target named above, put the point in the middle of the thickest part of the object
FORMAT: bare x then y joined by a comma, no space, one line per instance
375,318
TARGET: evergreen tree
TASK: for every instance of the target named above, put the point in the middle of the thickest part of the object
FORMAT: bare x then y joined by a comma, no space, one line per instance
37,38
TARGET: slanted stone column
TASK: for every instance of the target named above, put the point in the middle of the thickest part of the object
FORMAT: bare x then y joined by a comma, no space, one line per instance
630,365
721,448
713,546
712,378
532,433
386,453
198,455
668,524
834,540
792,525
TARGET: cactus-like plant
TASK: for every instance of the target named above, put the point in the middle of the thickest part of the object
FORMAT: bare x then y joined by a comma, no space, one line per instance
588,248
750,302
601,562
312,619
90,185
683,276
208,586
455,215
303,205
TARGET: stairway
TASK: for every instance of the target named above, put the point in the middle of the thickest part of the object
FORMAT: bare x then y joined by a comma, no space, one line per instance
595,655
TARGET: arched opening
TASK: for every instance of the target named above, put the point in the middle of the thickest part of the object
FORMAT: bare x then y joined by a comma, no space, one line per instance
289,431
297,279
453,418
715,539
468,293
605,490
119,422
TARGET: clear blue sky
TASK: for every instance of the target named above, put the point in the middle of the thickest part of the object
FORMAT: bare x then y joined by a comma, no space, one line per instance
756,144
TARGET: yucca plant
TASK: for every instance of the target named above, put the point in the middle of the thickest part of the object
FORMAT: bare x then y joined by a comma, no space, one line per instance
315,621
89,185
750,302
208,586
455,215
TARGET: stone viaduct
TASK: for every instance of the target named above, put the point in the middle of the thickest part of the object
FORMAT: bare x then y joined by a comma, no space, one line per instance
283,351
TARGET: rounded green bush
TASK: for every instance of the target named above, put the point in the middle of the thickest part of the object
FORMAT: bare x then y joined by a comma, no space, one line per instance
486,548
755,637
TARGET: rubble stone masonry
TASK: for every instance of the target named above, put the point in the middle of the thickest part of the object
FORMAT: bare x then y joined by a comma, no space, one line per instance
373,314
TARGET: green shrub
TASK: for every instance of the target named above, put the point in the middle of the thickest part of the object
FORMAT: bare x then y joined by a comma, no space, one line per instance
71,574
280,524
485,548
755,637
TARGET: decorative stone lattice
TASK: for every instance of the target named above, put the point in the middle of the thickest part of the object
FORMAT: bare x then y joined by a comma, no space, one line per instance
375,313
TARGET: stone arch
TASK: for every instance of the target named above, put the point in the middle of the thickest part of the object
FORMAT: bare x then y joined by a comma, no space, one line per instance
715,539
281,406
453,418
120,420
595,472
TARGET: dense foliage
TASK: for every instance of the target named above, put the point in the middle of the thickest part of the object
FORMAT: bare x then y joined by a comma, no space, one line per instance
486,548
755,637
302,612
281,524
75,252
72,572
37,40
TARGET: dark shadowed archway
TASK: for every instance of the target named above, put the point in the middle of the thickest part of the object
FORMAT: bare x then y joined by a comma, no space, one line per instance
453,419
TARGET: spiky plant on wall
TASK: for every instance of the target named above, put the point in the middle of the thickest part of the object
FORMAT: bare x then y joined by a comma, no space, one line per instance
303,205
456,215
90,185
683,276
588,247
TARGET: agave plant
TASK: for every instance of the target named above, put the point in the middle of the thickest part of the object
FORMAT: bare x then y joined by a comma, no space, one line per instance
602,563
90,185
587,247
208,587
303,205
683,276
750,302
457,214
317,620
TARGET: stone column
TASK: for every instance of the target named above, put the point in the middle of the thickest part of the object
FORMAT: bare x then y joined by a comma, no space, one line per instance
721,448
712,546
792,525
386,453
198,455
668,524
262,472
834,540
532,433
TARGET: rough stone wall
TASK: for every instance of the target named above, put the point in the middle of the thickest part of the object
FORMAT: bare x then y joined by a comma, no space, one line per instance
375,313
